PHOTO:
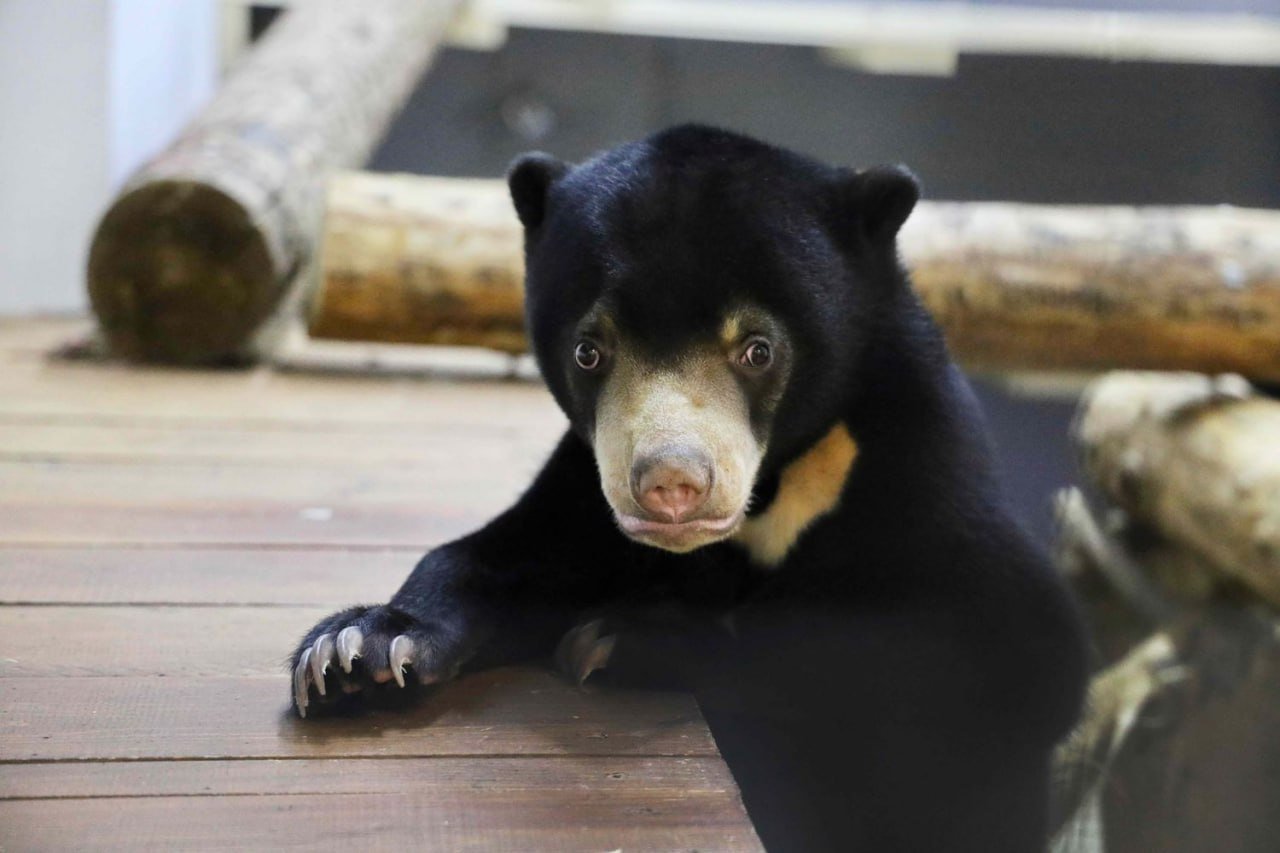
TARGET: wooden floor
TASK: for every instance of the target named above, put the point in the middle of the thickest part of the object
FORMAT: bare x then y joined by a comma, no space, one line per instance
165,537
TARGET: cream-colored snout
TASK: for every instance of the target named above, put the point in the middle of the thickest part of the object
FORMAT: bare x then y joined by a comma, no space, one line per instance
676,453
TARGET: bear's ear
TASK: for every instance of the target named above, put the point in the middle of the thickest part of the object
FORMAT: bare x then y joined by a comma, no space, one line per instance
529,178
879,200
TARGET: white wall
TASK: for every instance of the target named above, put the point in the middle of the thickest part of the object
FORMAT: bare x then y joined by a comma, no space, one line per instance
88,90
164,63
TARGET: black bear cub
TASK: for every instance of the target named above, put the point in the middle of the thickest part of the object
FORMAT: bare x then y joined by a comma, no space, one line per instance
776,491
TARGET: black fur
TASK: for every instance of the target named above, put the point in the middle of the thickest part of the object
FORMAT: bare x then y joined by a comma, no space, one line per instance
899,682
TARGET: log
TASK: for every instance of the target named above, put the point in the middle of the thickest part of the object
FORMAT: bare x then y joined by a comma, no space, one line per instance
407,259
1175,755
431,260
1197,460
203,242
1099,288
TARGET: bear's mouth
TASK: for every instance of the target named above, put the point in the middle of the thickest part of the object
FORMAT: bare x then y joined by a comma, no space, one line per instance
679,536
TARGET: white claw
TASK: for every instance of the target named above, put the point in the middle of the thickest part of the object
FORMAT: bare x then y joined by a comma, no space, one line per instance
301,673
321,654
401,654
350,641
582,651
598,657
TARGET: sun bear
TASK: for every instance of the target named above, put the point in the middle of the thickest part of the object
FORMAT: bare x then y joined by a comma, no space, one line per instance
776,491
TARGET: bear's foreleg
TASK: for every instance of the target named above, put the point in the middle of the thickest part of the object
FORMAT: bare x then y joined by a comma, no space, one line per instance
504,594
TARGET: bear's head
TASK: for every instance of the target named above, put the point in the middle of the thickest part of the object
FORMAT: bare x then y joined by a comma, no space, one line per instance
697,303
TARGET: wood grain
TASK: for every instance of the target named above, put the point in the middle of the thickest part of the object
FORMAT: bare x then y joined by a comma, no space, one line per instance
503,712
441,489
84,502
165,538
665,776
426,445
544,820
168,641
199,526
112,393
202,576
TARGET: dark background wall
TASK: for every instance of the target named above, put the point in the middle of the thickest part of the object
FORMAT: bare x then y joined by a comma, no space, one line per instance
1037,129
1018,128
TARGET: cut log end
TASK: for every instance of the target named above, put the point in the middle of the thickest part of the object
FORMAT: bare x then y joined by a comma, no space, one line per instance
178,273
208,236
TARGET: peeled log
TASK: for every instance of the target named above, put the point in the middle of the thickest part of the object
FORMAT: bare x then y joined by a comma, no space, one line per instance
406,259
203,242
1098,288
431,260
1195,458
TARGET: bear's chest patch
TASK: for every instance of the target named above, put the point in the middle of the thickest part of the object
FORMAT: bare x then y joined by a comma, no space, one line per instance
808,489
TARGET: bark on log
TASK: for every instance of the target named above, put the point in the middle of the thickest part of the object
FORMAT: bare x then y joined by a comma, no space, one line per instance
203,241
1195,458
406,259
429,260
1022,286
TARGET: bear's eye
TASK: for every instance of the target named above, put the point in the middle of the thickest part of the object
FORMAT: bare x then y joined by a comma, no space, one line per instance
758,354
587,355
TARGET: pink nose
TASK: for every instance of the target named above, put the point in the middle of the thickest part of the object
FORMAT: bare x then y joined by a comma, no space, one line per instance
671,485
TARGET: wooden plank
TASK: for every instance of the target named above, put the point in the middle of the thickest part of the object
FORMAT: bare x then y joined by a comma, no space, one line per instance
111,641
495,784
663,777
98,392
466,482
410,528
127,725
426,445
166,575
537,820
79,502
501,712
257,525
